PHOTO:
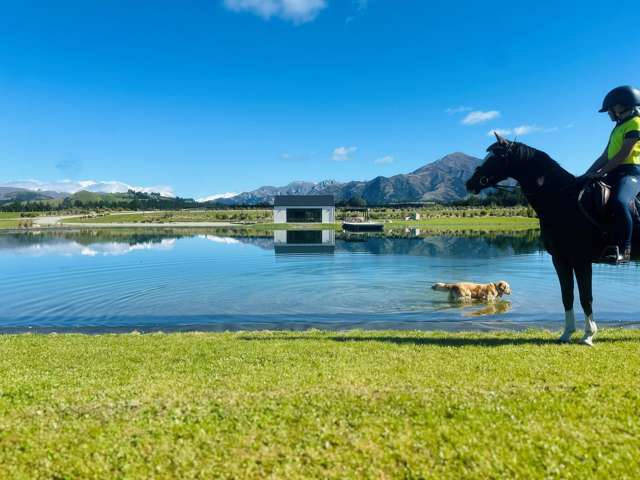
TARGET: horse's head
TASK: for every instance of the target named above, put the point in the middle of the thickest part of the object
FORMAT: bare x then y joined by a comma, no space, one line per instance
494,169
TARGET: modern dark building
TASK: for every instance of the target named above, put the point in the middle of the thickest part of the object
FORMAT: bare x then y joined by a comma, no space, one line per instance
304,209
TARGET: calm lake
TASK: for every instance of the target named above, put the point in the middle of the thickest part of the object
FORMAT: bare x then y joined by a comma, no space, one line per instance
123,280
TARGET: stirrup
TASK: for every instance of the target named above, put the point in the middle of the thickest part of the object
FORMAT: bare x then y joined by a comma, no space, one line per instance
611,254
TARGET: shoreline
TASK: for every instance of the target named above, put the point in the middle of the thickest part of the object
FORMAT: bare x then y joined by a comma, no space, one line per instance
490,224
480,328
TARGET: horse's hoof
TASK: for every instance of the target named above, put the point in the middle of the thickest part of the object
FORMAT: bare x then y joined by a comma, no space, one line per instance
588,341
566,336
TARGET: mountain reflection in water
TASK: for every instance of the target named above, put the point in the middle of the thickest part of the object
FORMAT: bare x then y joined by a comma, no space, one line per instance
106,242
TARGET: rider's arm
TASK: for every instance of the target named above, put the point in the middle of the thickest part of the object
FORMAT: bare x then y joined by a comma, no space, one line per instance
621,156
600,162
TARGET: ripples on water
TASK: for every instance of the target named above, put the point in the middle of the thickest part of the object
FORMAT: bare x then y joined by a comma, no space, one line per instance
108,280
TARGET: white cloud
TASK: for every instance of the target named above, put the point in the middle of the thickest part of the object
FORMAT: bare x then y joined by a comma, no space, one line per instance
460,109
217,196
297,11
386,160
223,240
522,130
525,130
479,116
342,154
500,131
72,186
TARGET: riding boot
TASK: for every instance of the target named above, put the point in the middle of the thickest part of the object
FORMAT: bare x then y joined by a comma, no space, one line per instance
569,327
610,254
590,329
613,255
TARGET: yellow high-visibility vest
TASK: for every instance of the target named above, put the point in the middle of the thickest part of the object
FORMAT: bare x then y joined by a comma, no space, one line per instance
628,129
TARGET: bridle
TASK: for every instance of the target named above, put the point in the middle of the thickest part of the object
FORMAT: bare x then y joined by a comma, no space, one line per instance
485,181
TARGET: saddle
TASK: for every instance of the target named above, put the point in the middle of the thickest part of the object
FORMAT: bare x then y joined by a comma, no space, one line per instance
593,199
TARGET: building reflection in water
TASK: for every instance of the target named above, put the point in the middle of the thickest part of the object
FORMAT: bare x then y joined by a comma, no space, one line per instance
304,241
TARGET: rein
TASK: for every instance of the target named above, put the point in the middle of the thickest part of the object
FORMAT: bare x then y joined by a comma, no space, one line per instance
541,190
512,188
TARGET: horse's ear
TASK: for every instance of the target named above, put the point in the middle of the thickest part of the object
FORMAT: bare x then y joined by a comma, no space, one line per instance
501,140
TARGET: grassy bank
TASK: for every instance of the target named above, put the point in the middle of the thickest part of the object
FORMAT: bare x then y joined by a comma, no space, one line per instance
9,220
450,219
319,405
489,223
251,216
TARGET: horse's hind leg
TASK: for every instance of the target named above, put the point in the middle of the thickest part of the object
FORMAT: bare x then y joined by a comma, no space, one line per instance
565,275
584,276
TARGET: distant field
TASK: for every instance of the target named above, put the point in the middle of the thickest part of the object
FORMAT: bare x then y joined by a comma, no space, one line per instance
251,216
9,223
468,223
319,405
433,219
9,219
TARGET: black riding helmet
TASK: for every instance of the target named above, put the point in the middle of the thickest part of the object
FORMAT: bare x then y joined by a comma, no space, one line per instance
627,96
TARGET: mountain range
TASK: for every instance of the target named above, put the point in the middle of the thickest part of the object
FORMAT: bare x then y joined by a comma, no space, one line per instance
439,181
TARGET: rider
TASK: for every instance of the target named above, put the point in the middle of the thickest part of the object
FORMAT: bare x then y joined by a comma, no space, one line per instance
620,162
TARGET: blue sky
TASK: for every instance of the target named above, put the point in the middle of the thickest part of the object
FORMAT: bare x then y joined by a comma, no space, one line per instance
213,96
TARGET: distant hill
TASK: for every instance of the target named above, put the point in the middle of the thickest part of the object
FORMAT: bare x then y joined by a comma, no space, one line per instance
27,200
439,181
13,194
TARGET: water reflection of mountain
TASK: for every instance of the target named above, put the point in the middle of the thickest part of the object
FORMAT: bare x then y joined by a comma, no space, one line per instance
121,241
478,245
443,246
32,245
84,237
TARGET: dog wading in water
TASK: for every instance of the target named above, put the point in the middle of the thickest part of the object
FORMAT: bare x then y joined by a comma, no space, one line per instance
466,291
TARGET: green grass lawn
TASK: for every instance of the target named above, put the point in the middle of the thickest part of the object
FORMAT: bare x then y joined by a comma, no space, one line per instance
9,219
319,405
468,223
9,222
168,216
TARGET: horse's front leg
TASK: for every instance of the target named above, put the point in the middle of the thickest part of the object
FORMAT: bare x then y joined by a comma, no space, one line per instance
584,276
565,275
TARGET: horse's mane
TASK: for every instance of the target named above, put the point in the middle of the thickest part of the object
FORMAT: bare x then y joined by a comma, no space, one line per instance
526,153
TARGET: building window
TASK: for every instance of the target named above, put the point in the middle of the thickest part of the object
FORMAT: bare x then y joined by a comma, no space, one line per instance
304,215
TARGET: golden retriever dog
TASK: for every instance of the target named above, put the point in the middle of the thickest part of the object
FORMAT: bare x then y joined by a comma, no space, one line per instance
466,291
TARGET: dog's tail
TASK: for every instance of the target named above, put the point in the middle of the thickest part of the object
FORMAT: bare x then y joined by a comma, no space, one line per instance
442,287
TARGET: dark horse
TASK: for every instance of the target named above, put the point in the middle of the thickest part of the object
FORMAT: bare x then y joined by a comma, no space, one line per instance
571,238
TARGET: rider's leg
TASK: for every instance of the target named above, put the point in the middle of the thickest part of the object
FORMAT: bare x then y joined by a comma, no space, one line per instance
625,187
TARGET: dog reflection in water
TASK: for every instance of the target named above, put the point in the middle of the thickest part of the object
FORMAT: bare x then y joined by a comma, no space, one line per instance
492,309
